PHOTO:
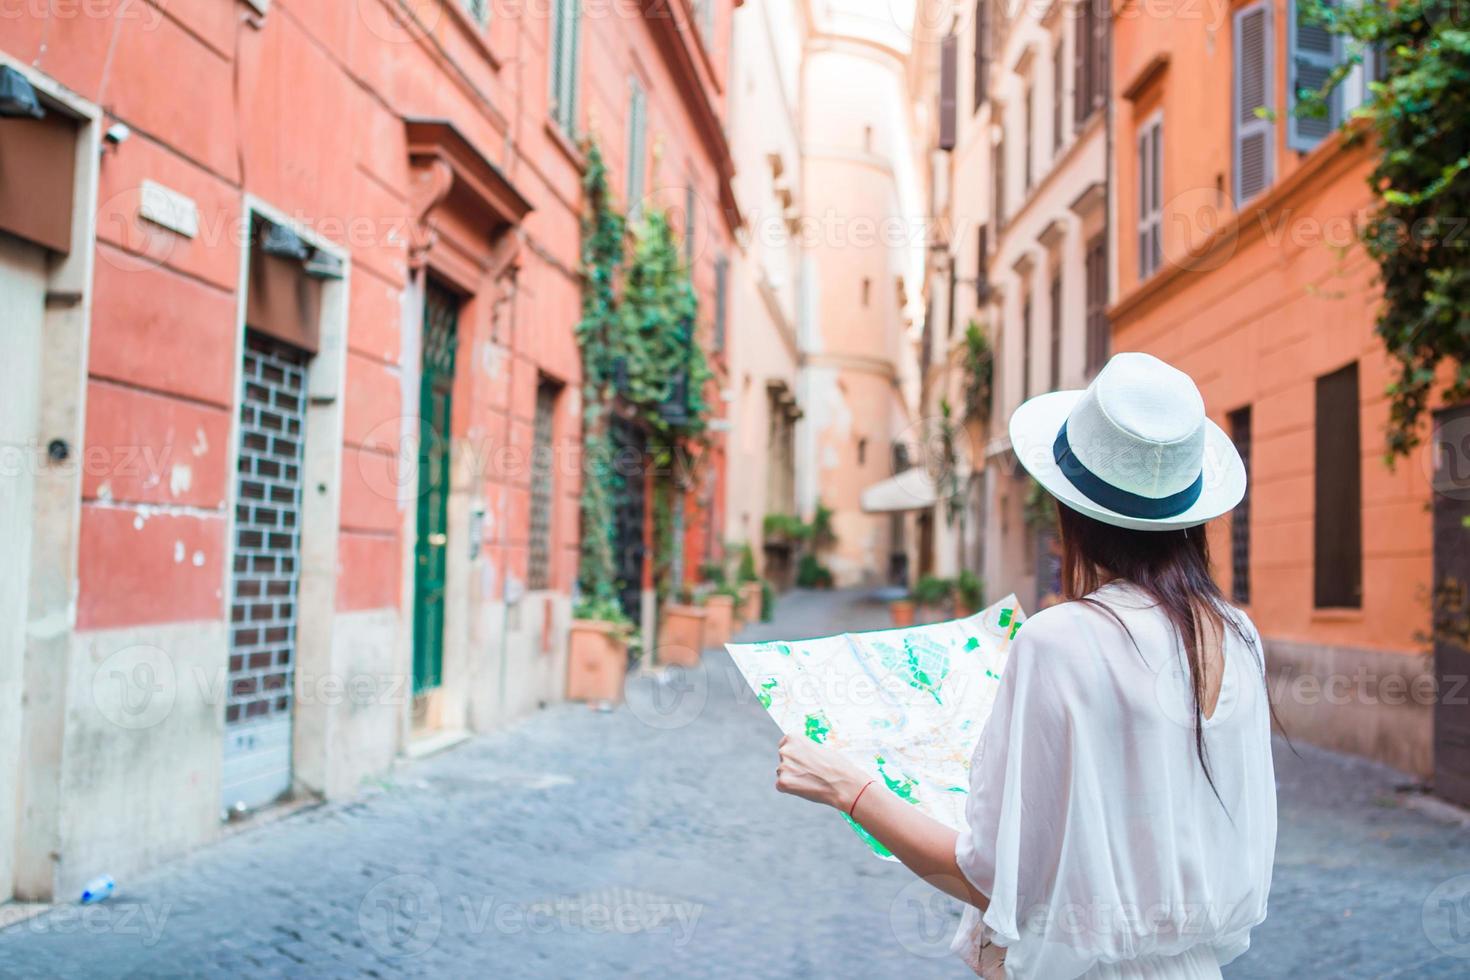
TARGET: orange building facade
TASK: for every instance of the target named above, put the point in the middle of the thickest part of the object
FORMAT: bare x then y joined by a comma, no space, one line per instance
1237,259
297,388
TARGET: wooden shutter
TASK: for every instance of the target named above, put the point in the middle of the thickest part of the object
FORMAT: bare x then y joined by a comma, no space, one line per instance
722,301
1097,303
1253,152
1240,518
949,53
1313,52
1026,345
1338,530
637,146
998,168
1058,93
982,266
1150,198
1056,332
1030,167
566,43
1082,65
982,53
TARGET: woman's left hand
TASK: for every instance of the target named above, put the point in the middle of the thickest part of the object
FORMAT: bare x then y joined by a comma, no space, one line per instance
818,773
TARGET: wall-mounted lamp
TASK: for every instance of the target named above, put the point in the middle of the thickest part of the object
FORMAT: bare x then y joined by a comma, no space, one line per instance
17,98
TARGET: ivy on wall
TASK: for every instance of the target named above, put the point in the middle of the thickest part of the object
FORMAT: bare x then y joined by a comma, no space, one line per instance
1418,236
642,360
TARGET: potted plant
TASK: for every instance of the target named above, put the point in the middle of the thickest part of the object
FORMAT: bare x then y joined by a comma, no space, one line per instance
902,610
969,594
681,632
750,588
597,655
933,595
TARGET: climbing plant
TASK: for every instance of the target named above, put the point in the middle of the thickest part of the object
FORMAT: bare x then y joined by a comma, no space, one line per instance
603,231
640,358
1416,113
979,367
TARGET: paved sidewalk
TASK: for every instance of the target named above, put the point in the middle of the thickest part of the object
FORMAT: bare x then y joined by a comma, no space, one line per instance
649,842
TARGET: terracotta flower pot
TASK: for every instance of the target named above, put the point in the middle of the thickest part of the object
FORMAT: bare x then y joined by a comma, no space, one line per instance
902,611
751,600
681,635
719,622
597,661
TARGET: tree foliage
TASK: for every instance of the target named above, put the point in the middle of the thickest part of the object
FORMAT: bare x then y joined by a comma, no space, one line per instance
1417,113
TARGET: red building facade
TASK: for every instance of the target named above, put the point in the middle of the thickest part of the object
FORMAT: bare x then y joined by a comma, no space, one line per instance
298,387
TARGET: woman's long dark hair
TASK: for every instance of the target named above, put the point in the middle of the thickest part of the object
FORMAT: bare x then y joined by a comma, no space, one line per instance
1170,567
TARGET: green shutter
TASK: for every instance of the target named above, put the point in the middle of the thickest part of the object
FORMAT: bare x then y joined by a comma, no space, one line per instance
637,146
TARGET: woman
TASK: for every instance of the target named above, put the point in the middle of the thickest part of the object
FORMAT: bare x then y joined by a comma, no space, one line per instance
1122,813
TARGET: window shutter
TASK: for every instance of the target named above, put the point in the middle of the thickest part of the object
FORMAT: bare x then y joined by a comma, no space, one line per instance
1054,355
722,300
982,52
1058,93
1030,165
1082,67
566,41
1338,526
982,261
1314,52
948,91
1253,151
637,147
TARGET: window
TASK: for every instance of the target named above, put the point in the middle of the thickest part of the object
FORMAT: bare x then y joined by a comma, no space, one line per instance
479,10
1312,53
704,13
949,53
566,40
689,223
998,168
862,452
637,146
1089,59
1098,339
1028,167
1253,156
982,53
867,290
1026,346
1338,530
1058,91
1150,197
543,480
1055,356
722,301
982,266
1240,518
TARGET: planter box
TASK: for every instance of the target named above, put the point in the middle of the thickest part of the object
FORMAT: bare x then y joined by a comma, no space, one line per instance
751,609
719,622
902,611
681,635
597,661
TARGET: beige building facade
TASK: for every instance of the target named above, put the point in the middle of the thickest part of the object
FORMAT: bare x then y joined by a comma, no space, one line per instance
862,234
1018,257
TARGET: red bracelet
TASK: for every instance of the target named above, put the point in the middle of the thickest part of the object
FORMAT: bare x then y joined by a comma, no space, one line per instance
859,796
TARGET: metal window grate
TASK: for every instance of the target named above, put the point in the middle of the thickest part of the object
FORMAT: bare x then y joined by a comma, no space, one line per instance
538,574
267,533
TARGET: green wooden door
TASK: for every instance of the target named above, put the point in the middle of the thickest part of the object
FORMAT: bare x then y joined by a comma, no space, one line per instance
441,314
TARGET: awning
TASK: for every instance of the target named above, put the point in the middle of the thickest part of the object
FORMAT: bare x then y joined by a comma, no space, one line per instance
910,490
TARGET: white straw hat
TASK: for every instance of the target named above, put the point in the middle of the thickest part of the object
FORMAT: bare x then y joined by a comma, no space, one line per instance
1135,449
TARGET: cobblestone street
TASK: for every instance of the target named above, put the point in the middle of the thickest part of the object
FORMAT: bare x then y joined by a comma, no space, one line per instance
648,842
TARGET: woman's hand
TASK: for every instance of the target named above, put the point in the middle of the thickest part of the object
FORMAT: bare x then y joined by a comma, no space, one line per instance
818,773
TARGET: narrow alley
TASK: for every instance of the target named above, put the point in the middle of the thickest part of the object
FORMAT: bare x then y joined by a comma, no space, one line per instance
648,841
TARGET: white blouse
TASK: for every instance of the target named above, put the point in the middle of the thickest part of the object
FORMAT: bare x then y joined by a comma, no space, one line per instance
1092,828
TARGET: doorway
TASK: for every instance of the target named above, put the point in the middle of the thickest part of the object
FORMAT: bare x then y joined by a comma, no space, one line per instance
431,547
266,575
1451,604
